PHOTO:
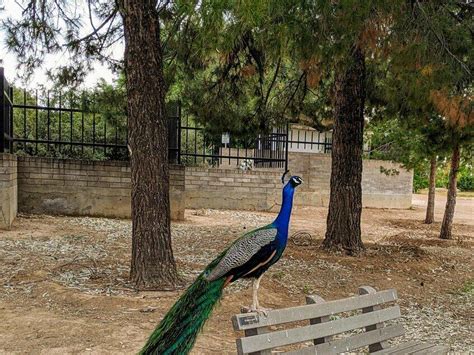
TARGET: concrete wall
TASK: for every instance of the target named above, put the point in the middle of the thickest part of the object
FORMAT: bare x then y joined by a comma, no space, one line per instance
261,189
232,189
8,190
70,187
93,188
379,190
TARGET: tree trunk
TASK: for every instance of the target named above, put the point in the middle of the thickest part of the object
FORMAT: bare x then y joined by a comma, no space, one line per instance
447,225
153,265
431,192
345,203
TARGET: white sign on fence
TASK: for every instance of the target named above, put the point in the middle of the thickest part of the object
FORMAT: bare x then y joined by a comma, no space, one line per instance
225,138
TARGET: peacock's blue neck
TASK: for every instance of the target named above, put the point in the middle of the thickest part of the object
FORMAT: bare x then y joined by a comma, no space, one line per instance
283,219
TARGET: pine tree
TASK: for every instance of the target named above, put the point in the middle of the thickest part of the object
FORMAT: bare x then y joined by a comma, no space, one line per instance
48,27
431,72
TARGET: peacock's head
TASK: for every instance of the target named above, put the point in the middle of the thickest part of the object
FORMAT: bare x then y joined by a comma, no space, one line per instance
295,181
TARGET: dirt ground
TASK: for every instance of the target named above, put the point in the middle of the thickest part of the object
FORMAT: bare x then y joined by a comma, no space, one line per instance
64,285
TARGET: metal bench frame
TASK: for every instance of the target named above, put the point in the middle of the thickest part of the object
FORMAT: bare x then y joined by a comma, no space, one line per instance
259,339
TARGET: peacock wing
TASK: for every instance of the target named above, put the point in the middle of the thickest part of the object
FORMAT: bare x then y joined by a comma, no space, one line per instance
242,251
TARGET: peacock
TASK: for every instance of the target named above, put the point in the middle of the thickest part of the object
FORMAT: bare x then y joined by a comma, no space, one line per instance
248,257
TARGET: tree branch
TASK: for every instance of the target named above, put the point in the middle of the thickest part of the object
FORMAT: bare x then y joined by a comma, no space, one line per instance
440,40
277,69
96,31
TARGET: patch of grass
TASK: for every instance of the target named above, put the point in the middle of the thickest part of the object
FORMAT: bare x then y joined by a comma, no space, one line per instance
468,288
278,275
307,289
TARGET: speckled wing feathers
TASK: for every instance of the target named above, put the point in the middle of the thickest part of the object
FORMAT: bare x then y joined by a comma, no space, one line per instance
242,251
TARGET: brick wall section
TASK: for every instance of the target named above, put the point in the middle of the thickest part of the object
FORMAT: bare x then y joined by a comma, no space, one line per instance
92,188
70,187
232,189
378,189
261,189
8,190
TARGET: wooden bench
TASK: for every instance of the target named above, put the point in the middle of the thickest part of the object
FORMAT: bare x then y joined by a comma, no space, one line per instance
327,333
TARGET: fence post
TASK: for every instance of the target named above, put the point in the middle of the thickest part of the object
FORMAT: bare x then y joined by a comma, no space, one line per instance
2,111
179,132
10,118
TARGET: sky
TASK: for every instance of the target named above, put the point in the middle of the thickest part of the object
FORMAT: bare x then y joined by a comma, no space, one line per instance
13,9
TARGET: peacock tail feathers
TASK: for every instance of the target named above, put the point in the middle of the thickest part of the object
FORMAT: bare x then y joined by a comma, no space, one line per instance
178,330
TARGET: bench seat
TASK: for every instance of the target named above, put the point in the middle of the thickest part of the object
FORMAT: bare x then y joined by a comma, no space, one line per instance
354,324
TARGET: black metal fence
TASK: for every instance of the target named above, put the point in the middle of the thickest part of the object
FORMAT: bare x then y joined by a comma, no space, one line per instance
74,126
65,125
203,147
6,113
309,141
70,126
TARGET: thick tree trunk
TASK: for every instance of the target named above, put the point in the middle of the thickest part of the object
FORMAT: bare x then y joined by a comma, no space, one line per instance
345,203
153,265
447,225
431,192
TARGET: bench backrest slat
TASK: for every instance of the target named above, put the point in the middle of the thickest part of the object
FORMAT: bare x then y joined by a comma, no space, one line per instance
353,342
253,320
302,334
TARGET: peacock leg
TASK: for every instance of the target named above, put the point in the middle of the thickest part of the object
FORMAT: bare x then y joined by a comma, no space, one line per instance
255,286
255,304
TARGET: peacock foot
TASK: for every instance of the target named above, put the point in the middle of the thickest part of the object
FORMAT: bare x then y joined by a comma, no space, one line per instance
259,310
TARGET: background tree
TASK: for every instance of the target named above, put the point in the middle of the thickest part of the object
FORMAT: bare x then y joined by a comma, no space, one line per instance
418,144
48,27
152,258
431,71
280,60
345,203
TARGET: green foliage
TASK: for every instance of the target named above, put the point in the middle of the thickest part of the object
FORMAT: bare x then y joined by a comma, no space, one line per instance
57,27
271,60
442,176
410,144
420,180
466,182
466,174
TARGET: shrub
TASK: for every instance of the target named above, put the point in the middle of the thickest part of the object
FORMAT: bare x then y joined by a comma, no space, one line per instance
442,176
466,182
420,180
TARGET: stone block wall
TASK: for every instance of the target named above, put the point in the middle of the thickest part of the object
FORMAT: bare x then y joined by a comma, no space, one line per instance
315,170
80,188
102,188
232,189
386,190
8,190
379,190
261,189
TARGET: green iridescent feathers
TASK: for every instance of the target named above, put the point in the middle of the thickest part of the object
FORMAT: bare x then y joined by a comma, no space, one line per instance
178,330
